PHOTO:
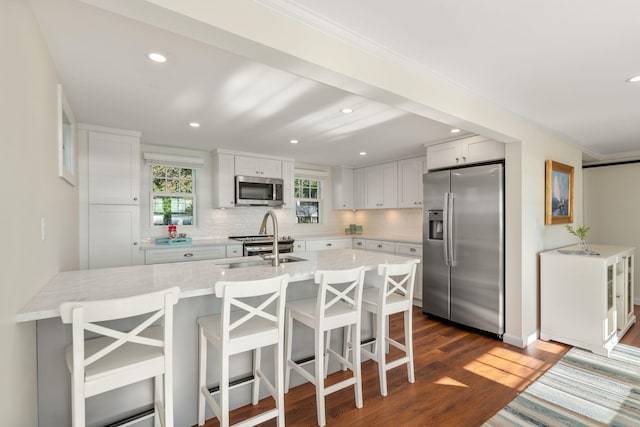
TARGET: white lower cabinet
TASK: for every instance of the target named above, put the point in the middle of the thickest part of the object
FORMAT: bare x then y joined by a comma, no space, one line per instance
587,300
234,251
113,236
322,244
188,253
299,246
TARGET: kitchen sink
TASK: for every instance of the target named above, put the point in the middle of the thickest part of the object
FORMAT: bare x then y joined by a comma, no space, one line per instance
283,259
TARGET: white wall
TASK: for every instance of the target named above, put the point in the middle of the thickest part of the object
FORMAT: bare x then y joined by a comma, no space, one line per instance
611,208
31,190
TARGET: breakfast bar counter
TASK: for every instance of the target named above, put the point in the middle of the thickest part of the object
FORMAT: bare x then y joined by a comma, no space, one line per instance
196,280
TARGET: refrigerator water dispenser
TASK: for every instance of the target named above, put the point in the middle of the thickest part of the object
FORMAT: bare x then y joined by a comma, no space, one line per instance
435,224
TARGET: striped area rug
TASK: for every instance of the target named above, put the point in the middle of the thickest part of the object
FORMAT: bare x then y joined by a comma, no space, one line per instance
582,389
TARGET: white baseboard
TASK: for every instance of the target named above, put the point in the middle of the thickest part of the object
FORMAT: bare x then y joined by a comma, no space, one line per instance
521,342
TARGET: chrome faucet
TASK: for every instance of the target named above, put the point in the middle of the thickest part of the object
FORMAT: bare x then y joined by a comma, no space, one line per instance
263,230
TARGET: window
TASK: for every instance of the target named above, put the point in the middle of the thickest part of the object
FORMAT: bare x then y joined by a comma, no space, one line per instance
308,193
173,196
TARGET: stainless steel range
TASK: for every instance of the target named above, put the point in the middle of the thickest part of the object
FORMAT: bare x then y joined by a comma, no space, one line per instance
263,244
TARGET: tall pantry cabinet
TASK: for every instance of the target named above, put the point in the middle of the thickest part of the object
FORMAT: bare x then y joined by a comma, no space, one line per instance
109,197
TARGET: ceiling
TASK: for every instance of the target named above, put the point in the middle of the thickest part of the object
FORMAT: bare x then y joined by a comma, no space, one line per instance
561,65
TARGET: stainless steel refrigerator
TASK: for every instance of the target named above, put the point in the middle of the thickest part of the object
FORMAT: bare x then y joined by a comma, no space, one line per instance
463,246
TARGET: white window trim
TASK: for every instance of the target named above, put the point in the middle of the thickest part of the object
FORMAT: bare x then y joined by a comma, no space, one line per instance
317,175
194,195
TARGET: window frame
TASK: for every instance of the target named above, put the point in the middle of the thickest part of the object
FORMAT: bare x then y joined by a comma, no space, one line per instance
320,192
192,195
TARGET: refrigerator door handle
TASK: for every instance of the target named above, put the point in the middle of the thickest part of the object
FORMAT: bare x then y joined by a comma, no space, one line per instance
452,239
445,229
446,240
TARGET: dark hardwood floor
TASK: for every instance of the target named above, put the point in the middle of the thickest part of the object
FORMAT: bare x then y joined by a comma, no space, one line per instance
462,379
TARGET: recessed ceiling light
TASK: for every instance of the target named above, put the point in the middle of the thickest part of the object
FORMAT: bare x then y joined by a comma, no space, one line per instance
294,141
634,79
363,153
157,57
454,130
347,110
194,124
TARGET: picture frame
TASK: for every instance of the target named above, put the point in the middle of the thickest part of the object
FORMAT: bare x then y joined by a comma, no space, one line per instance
67,139
558,193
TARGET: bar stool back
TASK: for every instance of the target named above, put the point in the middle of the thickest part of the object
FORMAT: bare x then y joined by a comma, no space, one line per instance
116,358
245,323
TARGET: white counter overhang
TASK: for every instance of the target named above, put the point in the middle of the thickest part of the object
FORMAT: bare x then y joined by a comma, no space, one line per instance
194,278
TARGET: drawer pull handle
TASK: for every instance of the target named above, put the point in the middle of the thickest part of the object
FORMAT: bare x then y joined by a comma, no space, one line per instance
328,244
188,255
379,246
412,249
359,243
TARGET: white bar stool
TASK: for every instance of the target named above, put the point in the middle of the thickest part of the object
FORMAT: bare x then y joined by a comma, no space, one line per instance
395,296
117,358
245,323
338,304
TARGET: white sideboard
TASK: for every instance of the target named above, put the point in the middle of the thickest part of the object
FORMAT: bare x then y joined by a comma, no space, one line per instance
587,300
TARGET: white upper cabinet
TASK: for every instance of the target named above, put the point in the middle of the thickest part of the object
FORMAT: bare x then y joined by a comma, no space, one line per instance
113,168
382,186
359,188
410,182
342,187
474,149
255,166
288,177
223,180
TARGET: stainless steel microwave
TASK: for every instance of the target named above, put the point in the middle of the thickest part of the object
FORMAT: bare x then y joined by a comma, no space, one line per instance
258,191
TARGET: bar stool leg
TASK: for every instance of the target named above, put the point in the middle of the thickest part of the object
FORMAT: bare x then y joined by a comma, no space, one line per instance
288,345
202,375
408,343
319,367
381,341
255,396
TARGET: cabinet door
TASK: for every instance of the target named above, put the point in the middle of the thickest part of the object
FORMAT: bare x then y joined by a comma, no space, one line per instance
359,188
410,173
375,187
247,166
223,181
479,149
382,186
342,187
288,176
113,236
113,168
255,166
270,168
443,155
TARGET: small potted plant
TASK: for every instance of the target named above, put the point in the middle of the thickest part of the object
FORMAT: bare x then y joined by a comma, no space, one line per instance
581,232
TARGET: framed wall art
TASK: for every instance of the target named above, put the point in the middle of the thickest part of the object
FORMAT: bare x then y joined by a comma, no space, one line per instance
558,193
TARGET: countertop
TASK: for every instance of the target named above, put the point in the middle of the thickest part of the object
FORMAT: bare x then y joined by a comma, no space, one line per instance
194,278
223,241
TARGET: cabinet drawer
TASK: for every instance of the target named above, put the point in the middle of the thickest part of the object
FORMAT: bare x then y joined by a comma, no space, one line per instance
381,246
412,249
159,256
319,245
359,244
299,246
234,251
